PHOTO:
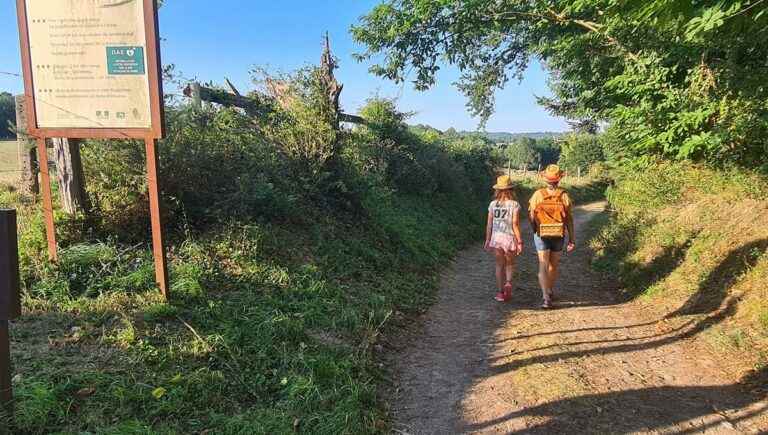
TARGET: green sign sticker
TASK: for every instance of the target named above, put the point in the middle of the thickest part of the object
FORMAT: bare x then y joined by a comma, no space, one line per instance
125,61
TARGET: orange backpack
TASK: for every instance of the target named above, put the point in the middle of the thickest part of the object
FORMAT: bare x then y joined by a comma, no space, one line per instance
550,214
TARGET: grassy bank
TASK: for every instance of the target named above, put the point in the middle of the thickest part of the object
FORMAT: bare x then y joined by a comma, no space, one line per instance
293,248
691,242
271,327
581,190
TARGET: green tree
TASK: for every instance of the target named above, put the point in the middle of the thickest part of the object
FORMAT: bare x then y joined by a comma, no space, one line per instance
580,151
673,78
7,115
522,154
548,151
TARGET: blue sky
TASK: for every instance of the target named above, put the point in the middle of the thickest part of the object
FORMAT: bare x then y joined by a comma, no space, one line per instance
212,40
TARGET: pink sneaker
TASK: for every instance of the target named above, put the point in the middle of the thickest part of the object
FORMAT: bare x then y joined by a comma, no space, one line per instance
500,297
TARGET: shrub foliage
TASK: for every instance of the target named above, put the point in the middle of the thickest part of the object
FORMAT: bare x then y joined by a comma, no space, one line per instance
293,245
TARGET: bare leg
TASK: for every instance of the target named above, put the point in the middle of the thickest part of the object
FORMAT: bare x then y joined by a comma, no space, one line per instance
510,269
554,269
500,263
544,272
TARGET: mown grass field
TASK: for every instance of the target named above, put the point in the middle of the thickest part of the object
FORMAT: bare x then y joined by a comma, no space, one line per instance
9,161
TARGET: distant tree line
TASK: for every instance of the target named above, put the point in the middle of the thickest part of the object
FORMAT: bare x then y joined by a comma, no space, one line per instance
576,151
528,153
7,115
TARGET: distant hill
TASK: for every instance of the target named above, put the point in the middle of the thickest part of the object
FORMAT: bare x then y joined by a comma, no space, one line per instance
509,137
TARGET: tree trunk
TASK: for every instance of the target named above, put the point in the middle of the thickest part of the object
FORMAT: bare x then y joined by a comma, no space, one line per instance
69,173
28,184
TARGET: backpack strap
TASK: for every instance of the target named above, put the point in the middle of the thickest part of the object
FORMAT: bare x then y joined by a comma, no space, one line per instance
558,194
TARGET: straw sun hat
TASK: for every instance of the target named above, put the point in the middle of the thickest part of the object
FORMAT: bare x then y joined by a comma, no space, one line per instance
553,173
503,183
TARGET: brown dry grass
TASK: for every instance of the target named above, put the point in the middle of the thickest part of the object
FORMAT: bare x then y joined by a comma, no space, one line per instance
703,254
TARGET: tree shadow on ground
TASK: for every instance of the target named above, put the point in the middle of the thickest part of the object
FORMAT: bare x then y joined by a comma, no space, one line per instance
581,343
714,289
642,277
648,409
654,408
678,335
577,330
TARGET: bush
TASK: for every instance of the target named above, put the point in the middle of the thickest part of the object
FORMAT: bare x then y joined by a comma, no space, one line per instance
7,115
292,246
422,160
580,151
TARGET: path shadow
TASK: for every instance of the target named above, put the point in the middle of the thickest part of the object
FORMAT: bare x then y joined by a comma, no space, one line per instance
647,410
578,330
580,343
696,328
642,277
650,409
714,289
708,300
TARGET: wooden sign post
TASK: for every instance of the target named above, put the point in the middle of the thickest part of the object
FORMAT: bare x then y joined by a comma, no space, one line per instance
94,72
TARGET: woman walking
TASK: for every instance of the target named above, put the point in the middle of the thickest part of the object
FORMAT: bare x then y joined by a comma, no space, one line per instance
551,216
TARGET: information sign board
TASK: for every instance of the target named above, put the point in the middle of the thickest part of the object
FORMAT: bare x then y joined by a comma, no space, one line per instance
93,65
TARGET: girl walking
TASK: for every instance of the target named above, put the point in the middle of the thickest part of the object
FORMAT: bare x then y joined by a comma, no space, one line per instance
502,235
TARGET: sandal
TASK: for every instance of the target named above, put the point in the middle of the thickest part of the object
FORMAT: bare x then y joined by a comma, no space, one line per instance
507,291
547,304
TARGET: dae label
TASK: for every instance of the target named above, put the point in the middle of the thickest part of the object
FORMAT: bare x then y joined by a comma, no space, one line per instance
125,61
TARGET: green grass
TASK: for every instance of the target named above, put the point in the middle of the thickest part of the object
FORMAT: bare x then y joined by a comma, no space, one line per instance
271,328
683,241
581,191
9,161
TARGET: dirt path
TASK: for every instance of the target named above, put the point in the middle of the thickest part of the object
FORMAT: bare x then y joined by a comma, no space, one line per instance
594,365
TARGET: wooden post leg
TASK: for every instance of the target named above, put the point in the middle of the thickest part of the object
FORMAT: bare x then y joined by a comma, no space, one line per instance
158,245
45,178
6,389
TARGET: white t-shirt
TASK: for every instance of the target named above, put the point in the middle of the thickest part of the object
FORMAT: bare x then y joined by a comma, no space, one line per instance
502,213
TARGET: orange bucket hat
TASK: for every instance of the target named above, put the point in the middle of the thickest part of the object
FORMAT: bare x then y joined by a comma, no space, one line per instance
553,173
503,183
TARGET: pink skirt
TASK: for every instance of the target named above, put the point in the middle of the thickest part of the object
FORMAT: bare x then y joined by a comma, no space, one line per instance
505,242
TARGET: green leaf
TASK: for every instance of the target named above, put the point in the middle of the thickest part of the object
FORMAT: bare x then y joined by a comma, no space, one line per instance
158,393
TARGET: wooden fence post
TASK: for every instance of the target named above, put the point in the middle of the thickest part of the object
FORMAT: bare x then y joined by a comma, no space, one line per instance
28,182
6,387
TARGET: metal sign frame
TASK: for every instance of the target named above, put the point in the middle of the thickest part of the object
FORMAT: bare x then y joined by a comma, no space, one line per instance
149,135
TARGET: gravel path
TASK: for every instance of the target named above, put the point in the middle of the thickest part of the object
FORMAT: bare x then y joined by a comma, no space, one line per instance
593,365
